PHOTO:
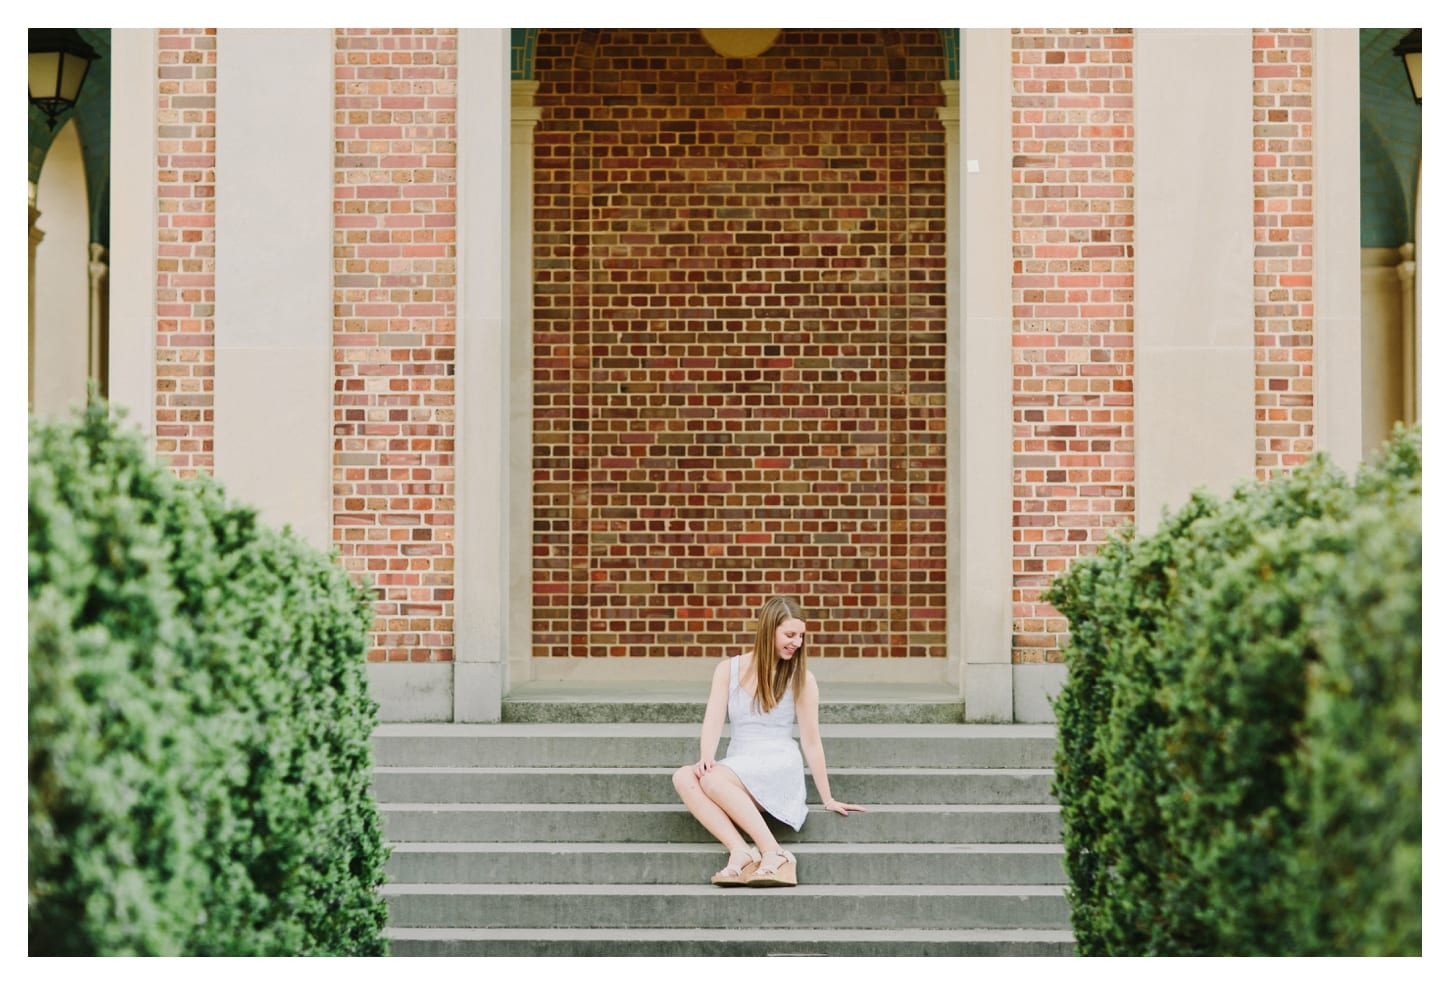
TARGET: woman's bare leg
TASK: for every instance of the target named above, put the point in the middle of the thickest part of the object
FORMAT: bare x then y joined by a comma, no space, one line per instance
729,795
708,813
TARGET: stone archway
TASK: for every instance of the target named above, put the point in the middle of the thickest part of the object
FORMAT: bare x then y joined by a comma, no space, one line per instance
62,334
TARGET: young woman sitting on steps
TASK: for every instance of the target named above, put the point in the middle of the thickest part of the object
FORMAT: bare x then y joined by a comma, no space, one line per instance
765,692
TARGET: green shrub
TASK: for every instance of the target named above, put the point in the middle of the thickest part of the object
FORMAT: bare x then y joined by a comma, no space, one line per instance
200,726
1183,725
1356,871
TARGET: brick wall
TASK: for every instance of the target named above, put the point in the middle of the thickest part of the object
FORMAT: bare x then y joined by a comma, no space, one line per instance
739,349
394,294
1283,249
1072,291
185,247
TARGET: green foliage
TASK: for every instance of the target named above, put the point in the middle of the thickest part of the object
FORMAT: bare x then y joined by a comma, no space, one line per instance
200,725
1239,753
1360,850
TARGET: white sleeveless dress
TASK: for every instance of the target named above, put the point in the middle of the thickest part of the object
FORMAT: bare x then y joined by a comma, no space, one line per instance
764,754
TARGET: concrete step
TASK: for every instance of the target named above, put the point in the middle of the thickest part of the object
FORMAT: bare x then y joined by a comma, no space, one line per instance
684,702
732,942
652,785
868,863
566,838
907,823
664,744
835,907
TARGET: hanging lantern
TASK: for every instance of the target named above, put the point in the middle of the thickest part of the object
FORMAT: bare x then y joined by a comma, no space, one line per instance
1409,50
740,42
59,60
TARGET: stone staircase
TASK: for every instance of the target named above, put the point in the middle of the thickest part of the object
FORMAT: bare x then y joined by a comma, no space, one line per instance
556,837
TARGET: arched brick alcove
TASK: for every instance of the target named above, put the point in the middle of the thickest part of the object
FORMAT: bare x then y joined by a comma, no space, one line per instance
739,341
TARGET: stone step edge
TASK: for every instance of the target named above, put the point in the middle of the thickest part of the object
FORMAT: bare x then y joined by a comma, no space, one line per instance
686,934
460,730
695,848
454,807
834,713
676,891
872,771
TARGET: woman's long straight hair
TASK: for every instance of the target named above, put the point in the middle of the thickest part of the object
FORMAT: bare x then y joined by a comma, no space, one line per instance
772,674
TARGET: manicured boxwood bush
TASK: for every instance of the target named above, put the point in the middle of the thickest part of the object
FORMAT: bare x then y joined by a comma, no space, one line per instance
1239,752
199,728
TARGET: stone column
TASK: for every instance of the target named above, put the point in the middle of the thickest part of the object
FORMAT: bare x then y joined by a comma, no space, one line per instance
274,167
1194,303
1383,359
1417,389
1338,357
1409,333
131,366
480,676
950,115
524,120
979,389
96,363
36,235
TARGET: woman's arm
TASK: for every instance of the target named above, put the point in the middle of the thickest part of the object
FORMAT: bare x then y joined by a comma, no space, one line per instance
714,717
807,709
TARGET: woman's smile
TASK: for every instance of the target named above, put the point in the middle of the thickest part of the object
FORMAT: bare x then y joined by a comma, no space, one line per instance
789,637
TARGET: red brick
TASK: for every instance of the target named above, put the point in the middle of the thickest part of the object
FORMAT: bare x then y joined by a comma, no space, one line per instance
385,218
725,336
186,288
1065,328
1283,278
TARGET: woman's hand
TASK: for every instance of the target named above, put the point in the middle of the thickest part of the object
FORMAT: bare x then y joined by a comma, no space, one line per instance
703,766
841,807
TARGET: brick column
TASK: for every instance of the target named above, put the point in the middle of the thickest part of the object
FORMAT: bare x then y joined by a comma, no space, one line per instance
185,247
1072,284
394,283
1283,248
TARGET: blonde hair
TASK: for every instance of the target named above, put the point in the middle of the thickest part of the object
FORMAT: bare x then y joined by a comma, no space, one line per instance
772,674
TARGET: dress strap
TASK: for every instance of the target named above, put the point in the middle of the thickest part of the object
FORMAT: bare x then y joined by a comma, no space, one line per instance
735,672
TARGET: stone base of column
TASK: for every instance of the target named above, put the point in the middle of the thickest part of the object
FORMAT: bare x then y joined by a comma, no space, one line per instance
1034,686
988,690
478,692
407,692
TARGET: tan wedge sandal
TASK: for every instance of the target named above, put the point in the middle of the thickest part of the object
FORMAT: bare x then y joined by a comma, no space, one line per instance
781,874
732,876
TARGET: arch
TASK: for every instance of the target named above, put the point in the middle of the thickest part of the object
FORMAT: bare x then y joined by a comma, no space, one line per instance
524,39
92,117
1391,140
951,44
521,58
1384,212
60,346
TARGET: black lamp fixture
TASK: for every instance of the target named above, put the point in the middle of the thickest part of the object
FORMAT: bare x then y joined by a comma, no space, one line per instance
1409,50
59,61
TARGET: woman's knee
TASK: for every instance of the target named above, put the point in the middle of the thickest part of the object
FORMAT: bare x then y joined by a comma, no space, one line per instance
685,781
717,781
